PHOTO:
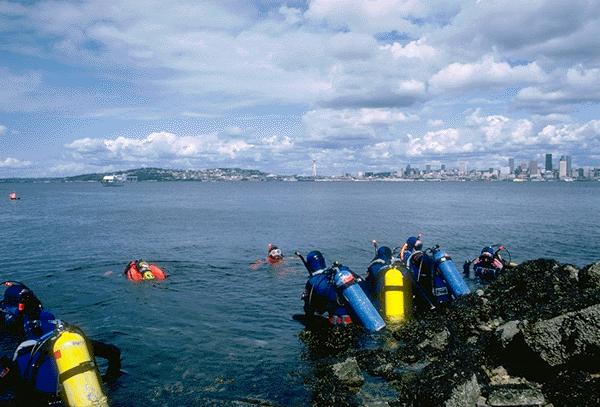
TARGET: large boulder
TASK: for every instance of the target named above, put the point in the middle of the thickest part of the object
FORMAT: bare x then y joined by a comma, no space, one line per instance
570,338
515,396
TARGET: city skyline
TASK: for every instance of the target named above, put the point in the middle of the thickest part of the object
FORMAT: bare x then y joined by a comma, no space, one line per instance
274,85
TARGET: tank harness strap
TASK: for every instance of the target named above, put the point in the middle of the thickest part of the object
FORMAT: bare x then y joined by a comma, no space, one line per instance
81,368
376,261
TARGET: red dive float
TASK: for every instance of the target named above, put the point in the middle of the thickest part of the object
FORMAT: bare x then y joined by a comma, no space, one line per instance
140,270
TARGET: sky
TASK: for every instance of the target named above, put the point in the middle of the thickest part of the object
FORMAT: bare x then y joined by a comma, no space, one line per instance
358,85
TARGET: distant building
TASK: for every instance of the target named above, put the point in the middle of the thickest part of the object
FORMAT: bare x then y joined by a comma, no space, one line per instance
569,164
511,165
428,168
462,168
443,167
533,168
562,168
548,162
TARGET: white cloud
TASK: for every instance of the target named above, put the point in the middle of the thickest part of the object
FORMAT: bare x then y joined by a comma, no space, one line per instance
160,146
360,125
578,136
577,85
2,130
11,162
440,142
485,73
418,49
370,16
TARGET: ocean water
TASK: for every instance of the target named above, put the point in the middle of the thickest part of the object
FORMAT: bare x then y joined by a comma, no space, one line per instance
217,331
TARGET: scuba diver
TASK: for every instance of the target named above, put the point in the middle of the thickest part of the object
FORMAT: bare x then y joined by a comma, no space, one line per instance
412,244
274,257
374,282
140,270
336,290
435,277
488,265
388,285
53,360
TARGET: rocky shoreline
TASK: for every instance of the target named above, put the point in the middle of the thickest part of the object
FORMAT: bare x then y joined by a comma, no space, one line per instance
531,338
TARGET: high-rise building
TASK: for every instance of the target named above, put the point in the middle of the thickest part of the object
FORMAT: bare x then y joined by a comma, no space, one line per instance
428,168
568,161
314,168
511,165
533,168
462,168
548,162
562,168
443,167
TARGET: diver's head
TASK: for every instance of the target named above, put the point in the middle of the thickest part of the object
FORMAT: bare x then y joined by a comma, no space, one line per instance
487,251
384,253
21,299
275,252
315,261
414,243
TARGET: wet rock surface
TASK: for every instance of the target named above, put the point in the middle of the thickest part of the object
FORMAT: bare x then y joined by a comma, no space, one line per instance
531,338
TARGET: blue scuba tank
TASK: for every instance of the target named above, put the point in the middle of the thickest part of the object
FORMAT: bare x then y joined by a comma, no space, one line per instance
439,290
357,300
445,265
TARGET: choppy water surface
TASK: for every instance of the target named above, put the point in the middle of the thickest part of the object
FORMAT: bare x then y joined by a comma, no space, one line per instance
216,330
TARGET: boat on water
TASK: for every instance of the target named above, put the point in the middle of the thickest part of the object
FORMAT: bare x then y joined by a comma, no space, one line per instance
113,180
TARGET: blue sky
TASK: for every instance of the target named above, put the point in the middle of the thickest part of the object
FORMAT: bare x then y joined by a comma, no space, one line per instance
360,85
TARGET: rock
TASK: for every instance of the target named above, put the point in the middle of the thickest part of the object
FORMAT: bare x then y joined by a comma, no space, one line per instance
482,402
515,396
412,368
572,271
438,341
572,337
377,395
506,333
499,376
465,394
589,277
348,373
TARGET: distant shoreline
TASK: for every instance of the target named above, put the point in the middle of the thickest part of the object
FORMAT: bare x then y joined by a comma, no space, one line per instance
238,174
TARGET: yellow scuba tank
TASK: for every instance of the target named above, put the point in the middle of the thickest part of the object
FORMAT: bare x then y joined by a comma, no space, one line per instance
77,372
397,295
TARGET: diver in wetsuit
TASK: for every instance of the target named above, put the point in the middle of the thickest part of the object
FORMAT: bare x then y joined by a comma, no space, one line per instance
24,318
